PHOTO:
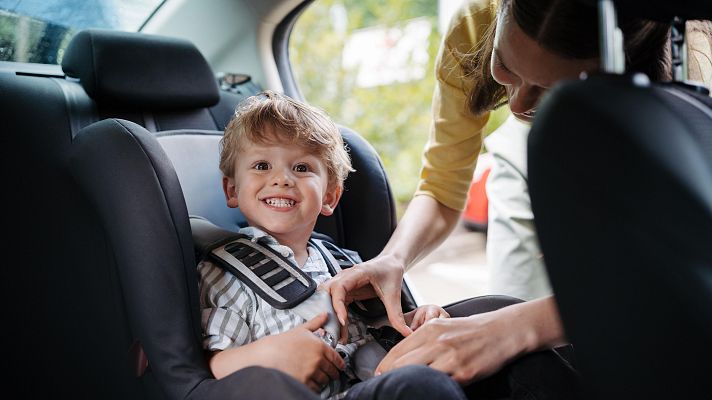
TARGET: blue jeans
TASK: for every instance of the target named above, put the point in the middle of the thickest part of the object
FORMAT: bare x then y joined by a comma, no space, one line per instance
411,382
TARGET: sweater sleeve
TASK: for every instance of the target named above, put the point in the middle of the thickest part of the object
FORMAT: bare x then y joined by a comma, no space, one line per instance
455,138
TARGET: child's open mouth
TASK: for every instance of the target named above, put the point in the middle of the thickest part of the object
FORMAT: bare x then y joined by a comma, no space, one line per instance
280,202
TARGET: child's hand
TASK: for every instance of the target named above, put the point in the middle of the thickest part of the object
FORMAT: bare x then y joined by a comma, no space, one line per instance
300,353
422,314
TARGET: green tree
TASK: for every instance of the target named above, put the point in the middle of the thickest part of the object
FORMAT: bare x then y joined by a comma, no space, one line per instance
394,118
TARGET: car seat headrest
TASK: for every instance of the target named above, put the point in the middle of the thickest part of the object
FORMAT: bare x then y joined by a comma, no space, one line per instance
140,70
663,10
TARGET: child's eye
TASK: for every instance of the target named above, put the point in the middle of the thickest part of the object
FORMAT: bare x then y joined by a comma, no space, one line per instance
261,166
301,168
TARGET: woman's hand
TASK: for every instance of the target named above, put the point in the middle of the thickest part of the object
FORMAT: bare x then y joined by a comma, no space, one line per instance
472,348
380,277
423,314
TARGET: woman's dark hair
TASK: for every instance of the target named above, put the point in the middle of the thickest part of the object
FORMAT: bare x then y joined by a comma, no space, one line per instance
570,29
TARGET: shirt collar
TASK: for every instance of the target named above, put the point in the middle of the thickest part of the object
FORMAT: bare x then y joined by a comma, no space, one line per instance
258,235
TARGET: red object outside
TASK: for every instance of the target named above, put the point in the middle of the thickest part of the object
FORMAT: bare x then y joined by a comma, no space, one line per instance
475,214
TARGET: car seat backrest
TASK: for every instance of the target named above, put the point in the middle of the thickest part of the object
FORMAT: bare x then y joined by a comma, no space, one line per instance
137,198
75,318
143,187
363,220
96,309
622,200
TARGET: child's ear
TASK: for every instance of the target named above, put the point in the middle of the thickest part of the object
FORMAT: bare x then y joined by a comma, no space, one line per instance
230,191
331,199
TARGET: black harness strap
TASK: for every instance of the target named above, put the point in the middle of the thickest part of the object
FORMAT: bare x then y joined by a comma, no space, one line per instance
266,272
338,259
269,274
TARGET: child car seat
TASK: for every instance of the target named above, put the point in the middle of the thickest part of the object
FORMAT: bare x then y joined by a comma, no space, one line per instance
103,271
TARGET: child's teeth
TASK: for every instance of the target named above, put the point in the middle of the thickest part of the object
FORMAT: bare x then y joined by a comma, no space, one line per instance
274,202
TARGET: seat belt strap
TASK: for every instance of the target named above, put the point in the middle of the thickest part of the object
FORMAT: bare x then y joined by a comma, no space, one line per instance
269,274
338,259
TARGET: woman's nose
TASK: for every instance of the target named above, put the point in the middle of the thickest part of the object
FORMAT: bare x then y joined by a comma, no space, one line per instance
523,99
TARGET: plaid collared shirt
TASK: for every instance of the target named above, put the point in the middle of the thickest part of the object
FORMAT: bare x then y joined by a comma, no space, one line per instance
233,315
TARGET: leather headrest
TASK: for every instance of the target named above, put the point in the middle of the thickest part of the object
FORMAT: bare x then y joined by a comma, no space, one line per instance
140,70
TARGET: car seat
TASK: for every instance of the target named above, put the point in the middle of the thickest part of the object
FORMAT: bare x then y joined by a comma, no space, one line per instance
89,322
127,173
68,311
620,174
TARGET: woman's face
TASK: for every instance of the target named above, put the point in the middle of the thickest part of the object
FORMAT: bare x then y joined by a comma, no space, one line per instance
526,69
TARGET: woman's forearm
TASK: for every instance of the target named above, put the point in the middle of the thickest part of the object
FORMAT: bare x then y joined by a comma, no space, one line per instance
538,322
425,224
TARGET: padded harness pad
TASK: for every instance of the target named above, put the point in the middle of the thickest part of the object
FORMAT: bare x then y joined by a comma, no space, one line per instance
268,273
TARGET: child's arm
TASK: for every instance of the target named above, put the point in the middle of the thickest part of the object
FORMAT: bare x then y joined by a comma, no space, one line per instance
297,352
422,314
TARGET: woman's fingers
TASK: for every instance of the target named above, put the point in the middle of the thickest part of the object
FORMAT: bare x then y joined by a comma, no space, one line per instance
342,288
420,356
418,319
368,280
407,345
392,301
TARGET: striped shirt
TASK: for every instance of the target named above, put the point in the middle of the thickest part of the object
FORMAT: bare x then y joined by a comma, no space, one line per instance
233,315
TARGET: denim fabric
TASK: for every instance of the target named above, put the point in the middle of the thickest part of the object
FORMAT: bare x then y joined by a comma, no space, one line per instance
411,382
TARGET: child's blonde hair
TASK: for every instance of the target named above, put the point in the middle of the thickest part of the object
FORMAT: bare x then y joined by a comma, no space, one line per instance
298,123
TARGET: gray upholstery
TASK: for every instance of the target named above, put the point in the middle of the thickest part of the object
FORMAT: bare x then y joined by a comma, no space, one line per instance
101,260
143,71
622,198
72,331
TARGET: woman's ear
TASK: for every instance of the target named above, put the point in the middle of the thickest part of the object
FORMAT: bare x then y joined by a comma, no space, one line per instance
230,190
331,199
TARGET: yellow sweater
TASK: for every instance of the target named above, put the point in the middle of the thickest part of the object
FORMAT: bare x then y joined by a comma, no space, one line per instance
455,135
455,138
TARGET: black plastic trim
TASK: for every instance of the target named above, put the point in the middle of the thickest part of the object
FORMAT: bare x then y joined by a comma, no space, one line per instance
280,48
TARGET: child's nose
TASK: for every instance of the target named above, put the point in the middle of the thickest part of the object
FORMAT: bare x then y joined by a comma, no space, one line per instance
282,178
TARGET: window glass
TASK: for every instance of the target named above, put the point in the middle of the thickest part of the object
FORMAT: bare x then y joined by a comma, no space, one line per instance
37,31
369,64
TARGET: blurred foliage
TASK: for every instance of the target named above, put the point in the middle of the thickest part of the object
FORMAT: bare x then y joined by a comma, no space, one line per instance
394,118
24,39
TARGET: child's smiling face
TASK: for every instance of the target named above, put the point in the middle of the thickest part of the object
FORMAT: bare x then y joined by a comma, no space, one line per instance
281,188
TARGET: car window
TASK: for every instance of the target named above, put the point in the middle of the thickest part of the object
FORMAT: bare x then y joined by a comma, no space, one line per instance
37,31
370,65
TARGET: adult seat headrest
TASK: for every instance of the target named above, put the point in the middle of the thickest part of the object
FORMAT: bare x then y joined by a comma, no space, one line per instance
143,71
663,10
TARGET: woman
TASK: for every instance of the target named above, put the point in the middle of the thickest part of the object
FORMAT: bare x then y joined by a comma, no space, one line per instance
515,261
523,47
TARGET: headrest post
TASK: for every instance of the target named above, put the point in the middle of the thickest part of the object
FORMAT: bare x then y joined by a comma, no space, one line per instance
678,50
610,39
